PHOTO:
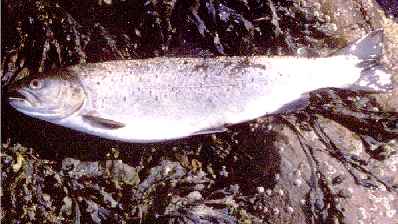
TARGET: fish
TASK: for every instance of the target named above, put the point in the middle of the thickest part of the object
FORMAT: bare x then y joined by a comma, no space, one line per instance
165,98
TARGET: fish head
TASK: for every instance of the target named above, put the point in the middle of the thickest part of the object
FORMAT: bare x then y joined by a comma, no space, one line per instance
48,96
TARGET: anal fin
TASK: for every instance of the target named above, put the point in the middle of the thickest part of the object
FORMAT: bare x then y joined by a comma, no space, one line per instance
210,130
295,105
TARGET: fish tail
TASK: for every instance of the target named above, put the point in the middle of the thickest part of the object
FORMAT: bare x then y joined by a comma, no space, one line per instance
369,50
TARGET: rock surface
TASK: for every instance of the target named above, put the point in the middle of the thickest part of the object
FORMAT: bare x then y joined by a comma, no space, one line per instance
333,162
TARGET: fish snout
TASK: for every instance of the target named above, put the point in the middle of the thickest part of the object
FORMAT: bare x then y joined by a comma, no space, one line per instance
17,98
14,94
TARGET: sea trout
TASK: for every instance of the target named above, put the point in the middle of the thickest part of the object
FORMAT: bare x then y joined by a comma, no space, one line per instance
158,99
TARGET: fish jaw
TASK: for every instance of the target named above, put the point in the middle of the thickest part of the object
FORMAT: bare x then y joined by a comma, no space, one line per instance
25,102
18,100
21,99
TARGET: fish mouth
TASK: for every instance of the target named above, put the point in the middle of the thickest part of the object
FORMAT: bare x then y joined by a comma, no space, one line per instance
16,96
22,100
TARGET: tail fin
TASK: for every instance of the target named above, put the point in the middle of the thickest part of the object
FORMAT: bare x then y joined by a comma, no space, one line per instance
369,47
369,50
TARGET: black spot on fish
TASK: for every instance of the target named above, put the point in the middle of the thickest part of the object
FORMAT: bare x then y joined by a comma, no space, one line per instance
124,99
98,83
246,61
210,101
227,64
259,66
201,67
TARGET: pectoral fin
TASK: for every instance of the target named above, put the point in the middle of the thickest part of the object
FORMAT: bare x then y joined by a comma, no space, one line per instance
100,122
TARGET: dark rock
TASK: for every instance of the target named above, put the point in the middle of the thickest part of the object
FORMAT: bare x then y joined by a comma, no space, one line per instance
390,6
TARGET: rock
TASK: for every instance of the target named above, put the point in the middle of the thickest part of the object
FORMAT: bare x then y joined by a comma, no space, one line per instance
390,6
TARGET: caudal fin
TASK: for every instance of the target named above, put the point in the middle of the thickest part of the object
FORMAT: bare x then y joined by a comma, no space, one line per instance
369,47
369,50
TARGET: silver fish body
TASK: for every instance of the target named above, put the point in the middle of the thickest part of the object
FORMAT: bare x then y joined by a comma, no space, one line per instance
158,99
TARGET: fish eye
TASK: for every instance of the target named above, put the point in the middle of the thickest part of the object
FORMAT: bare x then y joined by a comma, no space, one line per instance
35,84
